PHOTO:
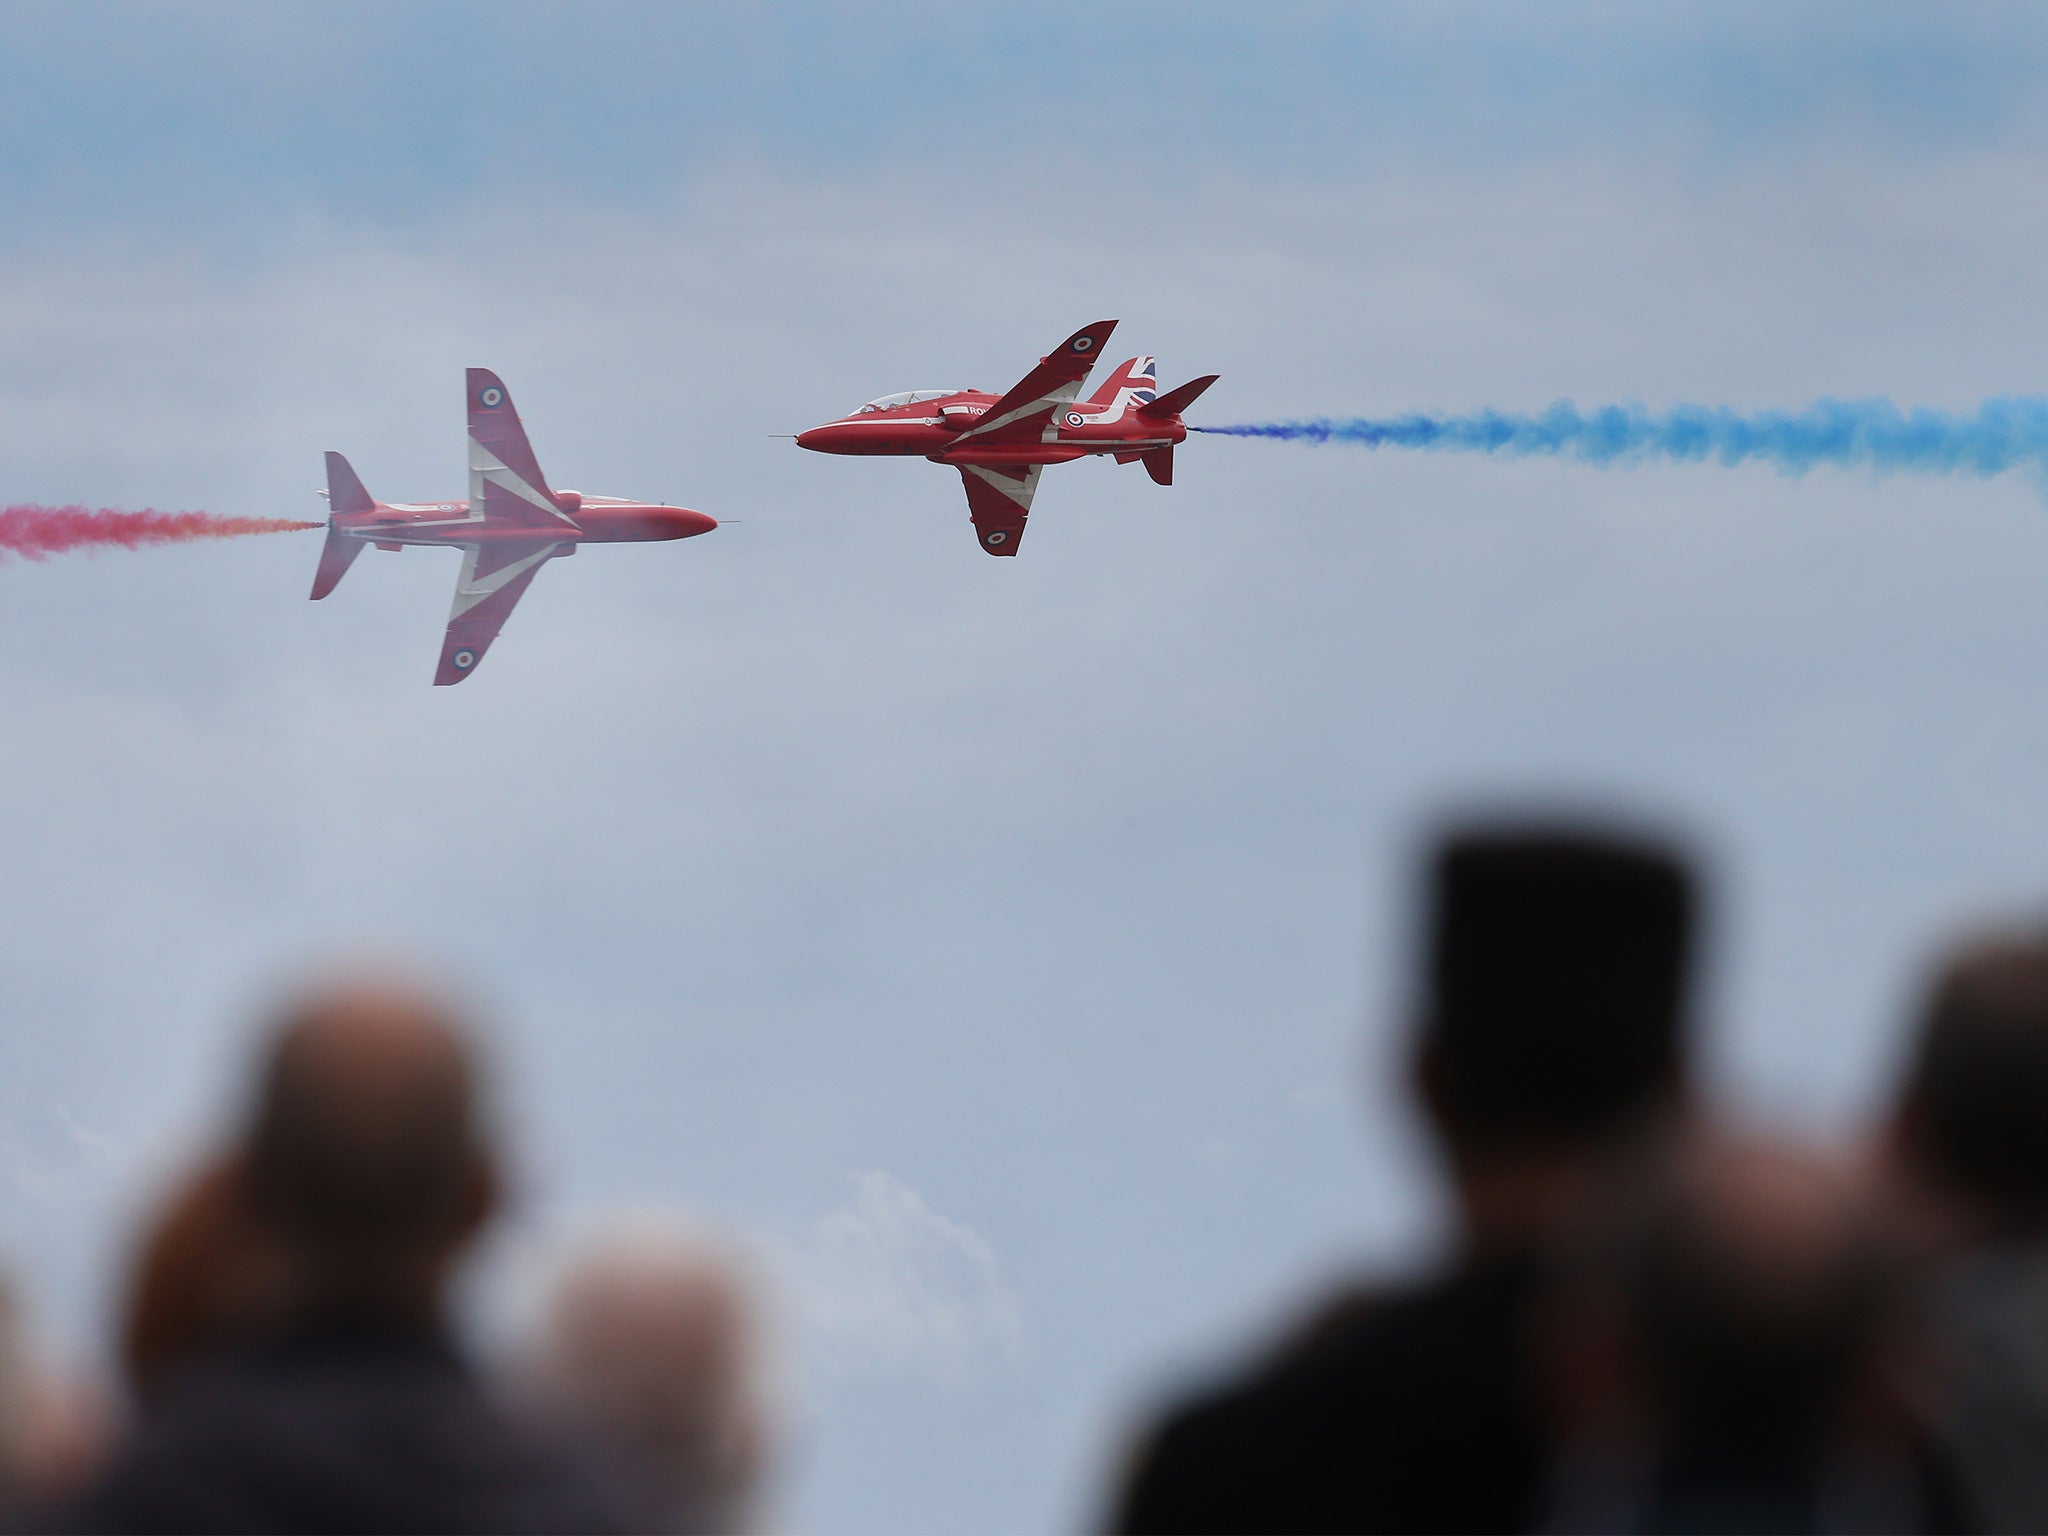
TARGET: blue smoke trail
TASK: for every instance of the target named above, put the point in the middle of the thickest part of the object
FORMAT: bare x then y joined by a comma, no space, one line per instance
2001,435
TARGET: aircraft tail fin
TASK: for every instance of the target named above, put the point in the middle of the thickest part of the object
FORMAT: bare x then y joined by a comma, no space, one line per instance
1159,465
336,556
345,491
1174,401
1139,376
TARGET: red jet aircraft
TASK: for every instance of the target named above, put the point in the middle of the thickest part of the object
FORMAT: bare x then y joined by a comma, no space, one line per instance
509,528
1000,444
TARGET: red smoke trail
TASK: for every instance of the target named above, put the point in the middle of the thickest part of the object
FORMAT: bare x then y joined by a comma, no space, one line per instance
36,533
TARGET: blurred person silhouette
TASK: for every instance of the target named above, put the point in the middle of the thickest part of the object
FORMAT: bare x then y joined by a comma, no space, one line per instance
1551,1034
1968,1153
1729,1352
651,1360
365,1166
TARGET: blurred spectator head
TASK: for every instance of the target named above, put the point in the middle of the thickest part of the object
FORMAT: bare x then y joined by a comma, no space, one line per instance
1734,1336
1972,1120
1755,1290
365,1157
1557,971
206,1278
652,1352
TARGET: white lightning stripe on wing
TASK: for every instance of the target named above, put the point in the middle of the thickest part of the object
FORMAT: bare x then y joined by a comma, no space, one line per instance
1011,490
1061,395
485,465
471,590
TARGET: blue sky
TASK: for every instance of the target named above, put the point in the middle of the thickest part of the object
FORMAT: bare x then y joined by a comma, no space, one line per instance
1011,951
110,113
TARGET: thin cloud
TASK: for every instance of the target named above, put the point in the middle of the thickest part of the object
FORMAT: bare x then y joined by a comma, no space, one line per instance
884,1284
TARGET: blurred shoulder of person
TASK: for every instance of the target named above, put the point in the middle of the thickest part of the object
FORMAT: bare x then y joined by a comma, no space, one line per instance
651,1360
311,1381
1551,1036
1967,1152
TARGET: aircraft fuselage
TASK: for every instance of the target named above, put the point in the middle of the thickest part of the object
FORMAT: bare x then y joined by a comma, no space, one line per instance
585,520
931,429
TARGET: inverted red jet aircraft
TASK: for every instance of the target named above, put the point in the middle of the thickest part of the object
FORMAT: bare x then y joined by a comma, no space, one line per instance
1000,444
509,528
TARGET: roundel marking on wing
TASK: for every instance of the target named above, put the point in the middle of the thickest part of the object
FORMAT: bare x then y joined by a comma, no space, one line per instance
492,396
1083,343
464,659
997,537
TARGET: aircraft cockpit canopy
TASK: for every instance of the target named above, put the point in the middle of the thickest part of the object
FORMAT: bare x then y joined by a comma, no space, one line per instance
905,397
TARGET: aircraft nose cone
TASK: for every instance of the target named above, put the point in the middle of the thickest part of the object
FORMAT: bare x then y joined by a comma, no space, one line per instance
688,524
830,438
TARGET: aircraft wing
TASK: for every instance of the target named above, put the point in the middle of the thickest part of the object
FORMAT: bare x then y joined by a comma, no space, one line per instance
506,486
494,577
1026,413
999,499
